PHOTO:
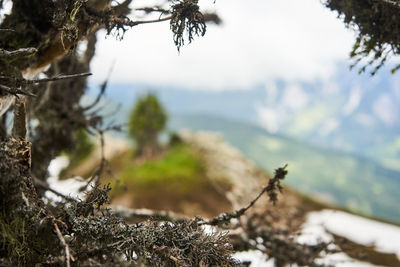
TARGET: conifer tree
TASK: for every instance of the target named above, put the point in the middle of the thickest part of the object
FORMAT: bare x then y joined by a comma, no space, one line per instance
147,119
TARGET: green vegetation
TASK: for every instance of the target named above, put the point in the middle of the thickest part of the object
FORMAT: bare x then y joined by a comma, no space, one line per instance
147,119
13,238
342,179
179,165
176,180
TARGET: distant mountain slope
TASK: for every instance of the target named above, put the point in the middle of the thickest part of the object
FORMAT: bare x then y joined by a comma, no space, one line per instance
344,179
352,113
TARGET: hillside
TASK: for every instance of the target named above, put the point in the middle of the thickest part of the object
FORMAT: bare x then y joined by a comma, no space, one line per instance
338,178
205,176
360,184
330,117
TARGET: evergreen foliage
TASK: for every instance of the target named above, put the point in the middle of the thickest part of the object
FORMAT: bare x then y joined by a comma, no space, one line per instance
147,119
377,23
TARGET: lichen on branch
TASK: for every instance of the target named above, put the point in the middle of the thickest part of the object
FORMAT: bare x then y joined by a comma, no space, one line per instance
186,16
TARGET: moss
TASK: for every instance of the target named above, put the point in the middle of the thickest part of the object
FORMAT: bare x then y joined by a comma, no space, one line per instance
13,240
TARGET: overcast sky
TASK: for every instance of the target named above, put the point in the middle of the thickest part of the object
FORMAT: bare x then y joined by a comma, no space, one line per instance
259,43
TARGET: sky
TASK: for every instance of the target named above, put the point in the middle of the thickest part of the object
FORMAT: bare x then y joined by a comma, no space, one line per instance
259,43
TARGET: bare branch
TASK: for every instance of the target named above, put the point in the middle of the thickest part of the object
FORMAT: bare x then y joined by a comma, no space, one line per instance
15,91
270,189
132,23
62,240
6,30
56,78
23,52
13,85
153,9
43,185
102,89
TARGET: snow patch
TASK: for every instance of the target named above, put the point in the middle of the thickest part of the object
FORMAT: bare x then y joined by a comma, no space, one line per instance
257,258
68,187
385,237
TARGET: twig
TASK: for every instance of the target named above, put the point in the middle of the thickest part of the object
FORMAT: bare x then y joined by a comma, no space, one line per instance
62,240
43,185
131,23
17,82
273,185
153,9
56,78
15,91
17,53
164,251
6,30
102,89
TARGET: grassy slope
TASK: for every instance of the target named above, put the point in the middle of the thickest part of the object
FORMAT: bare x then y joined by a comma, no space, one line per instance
175,181
354,183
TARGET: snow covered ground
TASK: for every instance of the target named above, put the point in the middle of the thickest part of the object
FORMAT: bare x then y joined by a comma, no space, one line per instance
385,237
258,259
319,225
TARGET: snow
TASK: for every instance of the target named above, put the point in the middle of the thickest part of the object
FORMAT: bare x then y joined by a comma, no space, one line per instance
318,228
257,258
68,187
385,237
342,260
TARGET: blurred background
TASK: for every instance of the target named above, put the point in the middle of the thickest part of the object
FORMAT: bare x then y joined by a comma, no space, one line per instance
274,80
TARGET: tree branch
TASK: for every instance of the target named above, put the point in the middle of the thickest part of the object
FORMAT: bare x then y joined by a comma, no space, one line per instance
270,189
18,82
56,78
19,127
62,240
23,52
42,184
15,91
131,23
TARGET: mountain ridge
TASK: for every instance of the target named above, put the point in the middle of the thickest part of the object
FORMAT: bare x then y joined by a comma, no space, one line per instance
358,184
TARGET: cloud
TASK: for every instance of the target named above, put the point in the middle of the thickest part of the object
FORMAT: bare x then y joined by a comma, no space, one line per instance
353,101
295,98
270,118
385,110
365,119
259,42
329,126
